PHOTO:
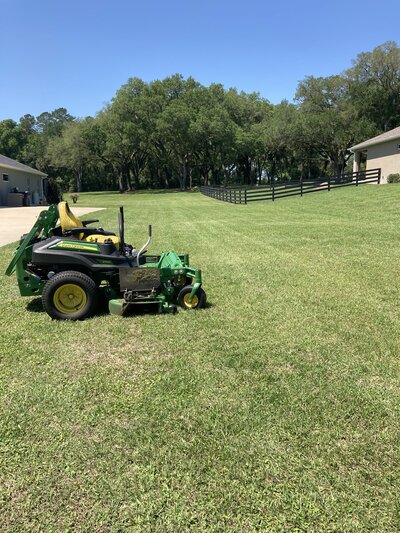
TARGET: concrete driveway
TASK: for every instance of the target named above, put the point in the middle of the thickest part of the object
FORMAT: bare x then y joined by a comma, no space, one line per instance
15,221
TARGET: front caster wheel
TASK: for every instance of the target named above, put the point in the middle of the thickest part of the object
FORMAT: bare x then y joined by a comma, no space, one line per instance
199,299
70,295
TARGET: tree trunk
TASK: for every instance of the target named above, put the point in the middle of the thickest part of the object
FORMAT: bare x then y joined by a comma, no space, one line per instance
273,171
337,166
166,175
183,176
135,174
127,178
204,172
79,180
258,169
247,172
121,185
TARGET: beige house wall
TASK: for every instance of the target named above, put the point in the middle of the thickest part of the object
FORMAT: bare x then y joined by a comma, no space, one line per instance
23,181
385,156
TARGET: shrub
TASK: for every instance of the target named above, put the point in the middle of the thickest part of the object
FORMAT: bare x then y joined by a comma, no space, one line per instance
54,193
394,178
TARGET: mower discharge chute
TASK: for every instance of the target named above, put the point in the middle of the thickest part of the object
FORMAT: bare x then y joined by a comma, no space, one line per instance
74,266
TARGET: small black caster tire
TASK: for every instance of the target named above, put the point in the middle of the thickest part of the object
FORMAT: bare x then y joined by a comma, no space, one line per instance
199,299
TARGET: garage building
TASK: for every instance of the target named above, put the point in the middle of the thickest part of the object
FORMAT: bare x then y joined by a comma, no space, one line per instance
20,184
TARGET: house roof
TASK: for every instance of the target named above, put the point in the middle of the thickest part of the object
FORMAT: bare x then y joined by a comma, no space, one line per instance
7,162
390,135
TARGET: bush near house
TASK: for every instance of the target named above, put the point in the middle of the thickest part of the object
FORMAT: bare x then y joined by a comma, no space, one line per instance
393,178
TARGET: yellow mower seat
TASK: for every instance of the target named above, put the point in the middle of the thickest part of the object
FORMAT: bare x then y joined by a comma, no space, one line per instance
69,221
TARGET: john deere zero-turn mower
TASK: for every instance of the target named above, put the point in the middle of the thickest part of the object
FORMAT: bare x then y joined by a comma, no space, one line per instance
75,266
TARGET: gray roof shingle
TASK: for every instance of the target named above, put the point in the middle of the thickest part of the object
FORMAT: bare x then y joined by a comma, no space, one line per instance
11,163
390,135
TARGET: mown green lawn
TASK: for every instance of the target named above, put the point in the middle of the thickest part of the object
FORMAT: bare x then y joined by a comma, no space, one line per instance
274,409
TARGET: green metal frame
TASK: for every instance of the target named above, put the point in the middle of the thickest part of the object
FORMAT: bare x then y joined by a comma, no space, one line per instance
28,283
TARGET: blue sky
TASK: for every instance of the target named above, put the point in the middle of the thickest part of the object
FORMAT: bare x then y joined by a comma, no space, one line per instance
76,54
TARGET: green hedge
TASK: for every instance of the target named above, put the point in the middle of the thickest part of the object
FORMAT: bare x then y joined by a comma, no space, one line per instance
394,178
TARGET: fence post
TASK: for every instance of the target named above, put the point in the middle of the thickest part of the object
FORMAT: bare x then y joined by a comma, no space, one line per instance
245,196
379,175
357,178
301,186
273,191
329,183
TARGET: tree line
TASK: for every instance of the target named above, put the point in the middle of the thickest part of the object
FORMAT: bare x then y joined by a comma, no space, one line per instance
177,132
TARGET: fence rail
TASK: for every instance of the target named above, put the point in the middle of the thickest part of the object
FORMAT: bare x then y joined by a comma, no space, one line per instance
275,191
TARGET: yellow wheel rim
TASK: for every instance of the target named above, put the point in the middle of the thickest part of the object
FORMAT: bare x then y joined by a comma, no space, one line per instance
193,303
69,298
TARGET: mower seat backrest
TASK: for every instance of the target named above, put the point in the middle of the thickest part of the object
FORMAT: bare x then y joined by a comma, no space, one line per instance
69,221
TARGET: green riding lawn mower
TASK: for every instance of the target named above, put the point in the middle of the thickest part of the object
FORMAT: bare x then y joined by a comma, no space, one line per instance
76,267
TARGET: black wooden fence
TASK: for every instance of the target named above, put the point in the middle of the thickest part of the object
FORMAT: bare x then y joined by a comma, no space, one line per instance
244,195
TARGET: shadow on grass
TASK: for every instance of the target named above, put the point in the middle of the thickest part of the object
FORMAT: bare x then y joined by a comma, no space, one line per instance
35,306
141,191
161,191
152,309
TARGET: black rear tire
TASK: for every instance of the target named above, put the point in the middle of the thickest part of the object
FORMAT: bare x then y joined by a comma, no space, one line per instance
70,295
198,302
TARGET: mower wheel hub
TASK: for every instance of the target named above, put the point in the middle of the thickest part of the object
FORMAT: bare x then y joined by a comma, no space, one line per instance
190,304
69,298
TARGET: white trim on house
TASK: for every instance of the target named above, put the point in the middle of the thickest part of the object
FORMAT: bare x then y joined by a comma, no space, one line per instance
30,171
390,135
